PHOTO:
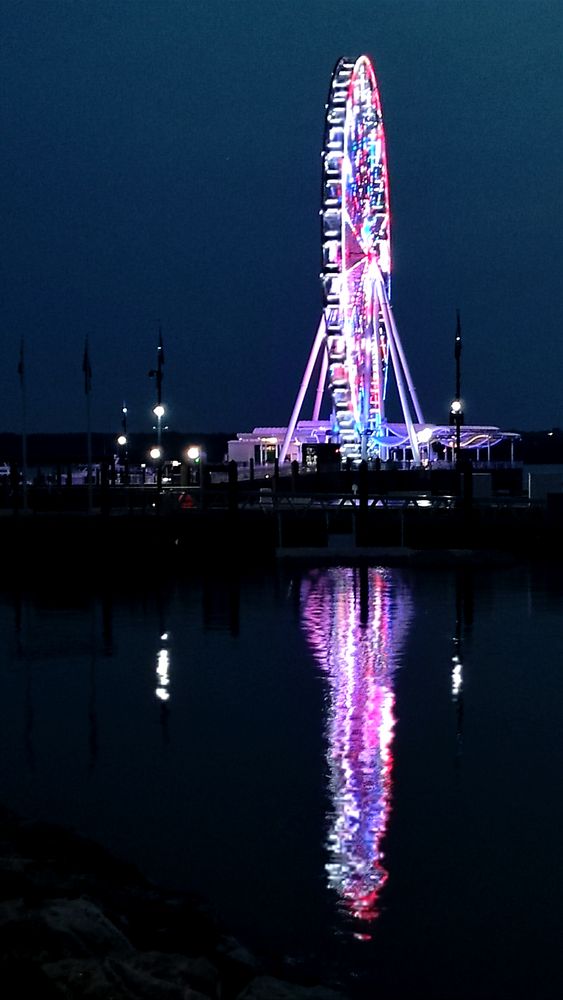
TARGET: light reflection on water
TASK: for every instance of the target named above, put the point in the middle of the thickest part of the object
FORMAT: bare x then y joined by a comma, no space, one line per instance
162,689
343,753
355,621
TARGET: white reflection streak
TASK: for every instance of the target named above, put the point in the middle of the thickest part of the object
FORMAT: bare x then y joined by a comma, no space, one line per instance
359,661
457,677
163,672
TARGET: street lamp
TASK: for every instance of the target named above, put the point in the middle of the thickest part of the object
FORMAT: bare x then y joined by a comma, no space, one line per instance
456,408
457,418
122,441
156,455
424,437
159,412
158,409
193,455
157,374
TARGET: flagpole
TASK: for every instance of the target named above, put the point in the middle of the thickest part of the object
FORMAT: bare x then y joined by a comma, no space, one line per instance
457,354
87,369
21,373
160,362
89,433
158,409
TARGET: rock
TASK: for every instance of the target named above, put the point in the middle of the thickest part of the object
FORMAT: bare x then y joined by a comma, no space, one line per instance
154,977
238,966
75,923
79,928
269,988
24,979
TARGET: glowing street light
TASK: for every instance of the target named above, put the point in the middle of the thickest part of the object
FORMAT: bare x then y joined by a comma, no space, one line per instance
159,412
156,455
122,441
456,408
193,456
158,409
456,418
424,435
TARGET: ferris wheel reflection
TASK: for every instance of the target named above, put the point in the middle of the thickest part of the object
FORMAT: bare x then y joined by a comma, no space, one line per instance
355,621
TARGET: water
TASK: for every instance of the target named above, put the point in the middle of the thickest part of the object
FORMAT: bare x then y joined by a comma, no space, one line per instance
358,765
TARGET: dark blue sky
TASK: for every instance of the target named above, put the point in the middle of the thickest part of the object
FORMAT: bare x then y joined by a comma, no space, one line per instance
161,163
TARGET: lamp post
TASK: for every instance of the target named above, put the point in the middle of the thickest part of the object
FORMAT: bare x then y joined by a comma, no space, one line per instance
456,418
193,454
456,408
158,409
156,455
123,442
156,373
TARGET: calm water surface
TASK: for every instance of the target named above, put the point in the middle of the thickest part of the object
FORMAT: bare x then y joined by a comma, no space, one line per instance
362,765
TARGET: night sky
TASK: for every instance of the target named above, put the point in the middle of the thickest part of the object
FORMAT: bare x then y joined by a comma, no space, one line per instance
161,164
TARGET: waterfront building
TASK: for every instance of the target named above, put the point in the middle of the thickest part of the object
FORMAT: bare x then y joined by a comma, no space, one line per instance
437,443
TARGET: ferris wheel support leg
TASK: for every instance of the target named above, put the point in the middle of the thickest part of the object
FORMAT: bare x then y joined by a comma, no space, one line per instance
318,342
321,385
399,376
399,346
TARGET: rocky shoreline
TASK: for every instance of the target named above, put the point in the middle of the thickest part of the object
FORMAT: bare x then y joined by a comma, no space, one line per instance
76,922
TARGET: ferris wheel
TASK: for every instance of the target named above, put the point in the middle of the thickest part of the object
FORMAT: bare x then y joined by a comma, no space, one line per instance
357,338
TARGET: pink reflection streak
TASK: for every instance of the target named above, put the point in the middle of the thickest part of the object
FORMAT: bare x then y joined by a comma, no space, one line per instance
359,660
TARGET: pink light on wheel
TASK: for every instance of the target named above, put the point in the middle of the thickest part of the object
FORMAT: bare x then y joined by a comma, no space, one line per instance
357,252
357,337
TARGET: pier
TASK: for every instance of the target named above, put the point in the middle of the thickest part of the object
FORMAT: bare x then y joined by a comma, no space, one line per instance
391,516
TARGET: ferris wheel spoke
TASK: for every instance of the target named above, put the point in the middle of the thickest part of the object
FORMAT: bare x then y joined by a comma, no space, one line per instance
352,232
357,270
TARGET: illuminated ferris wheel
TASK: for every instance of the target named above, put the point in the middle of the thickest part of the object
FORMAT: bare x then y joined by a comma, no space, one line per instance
357,338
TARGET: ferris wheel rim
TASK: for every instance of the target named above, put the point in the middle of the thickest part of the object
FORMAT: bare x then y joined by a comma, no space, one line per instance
355,225
360,63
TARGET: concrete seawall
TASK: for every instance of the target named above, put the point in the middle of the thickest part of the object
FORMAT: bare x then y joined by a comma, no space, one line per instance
121,542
